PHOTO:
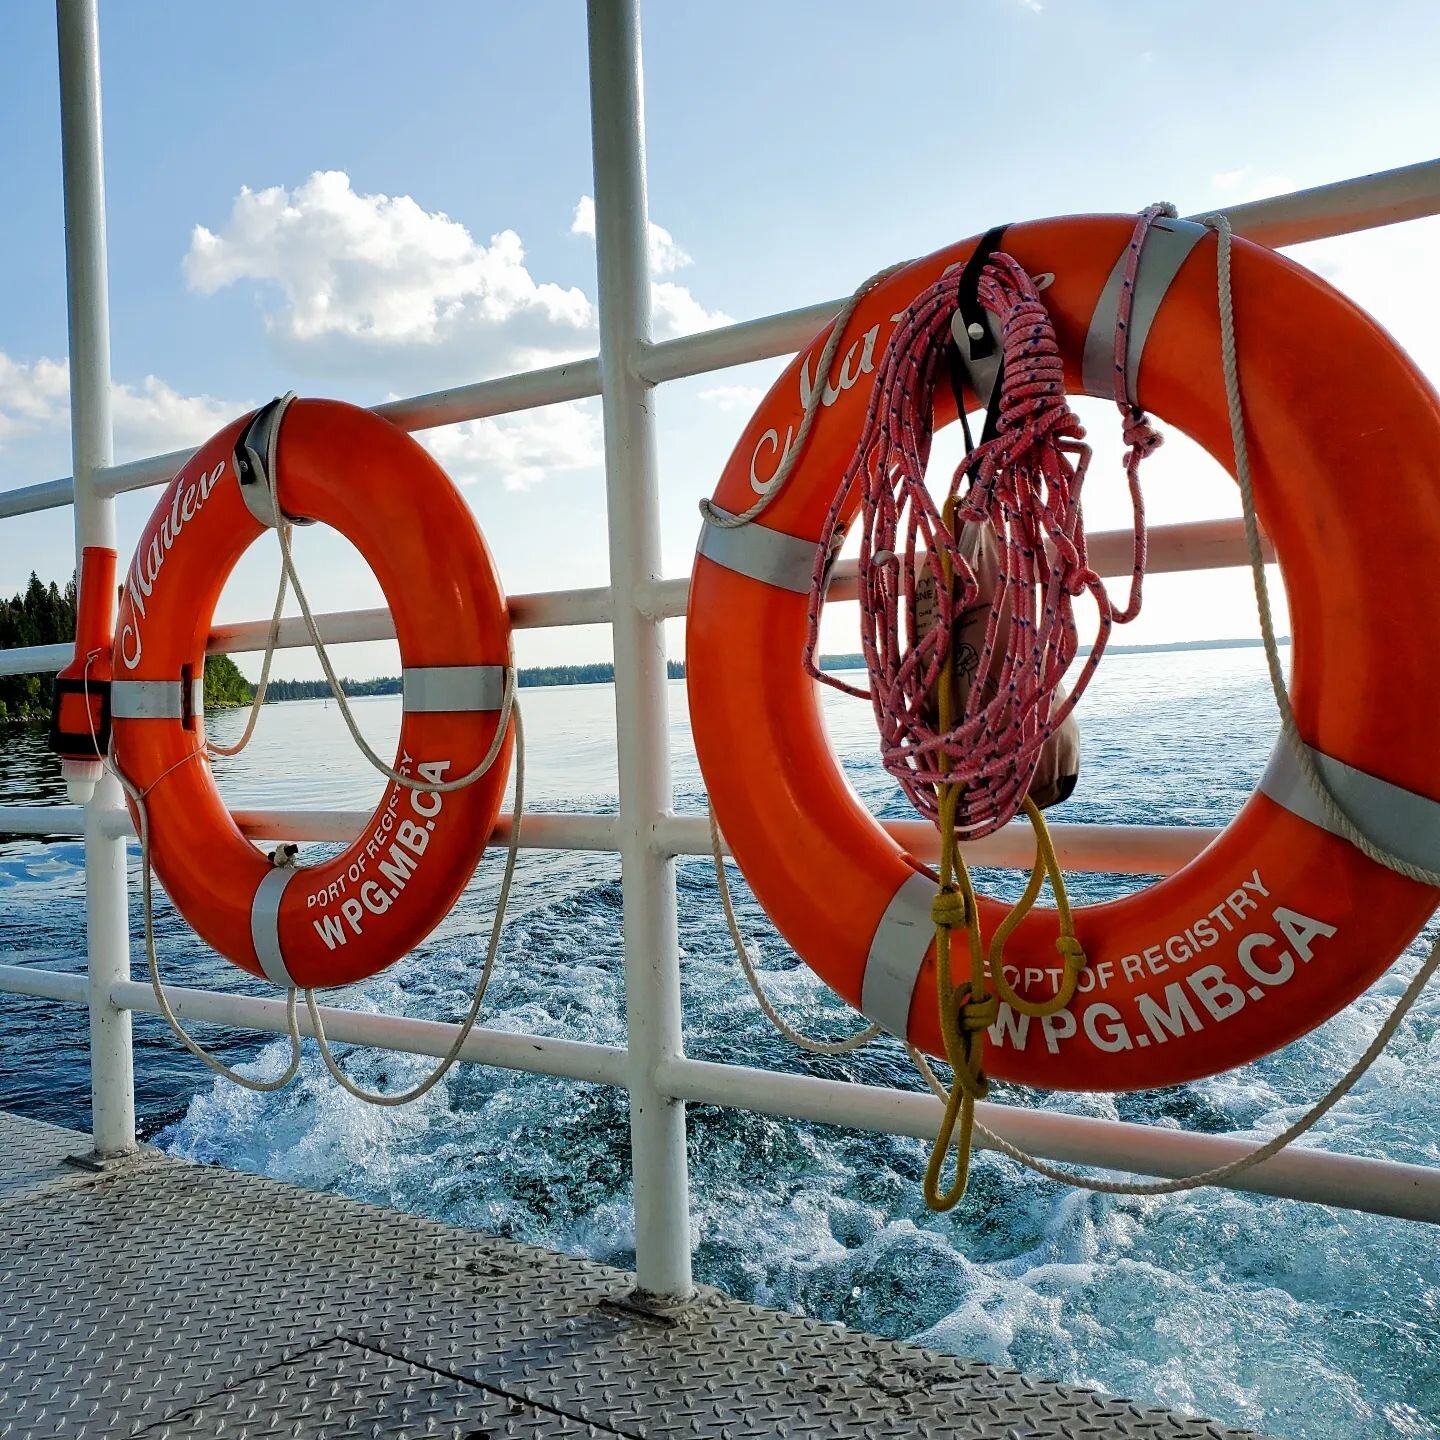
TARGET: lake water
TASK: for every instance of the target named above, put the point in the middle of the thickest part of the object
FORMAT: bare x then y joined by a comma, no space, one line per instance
1290,1318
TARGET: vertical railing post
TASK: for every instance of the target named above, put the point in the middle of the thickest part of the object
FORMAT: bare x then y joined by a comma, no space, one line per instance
652,963
112,1079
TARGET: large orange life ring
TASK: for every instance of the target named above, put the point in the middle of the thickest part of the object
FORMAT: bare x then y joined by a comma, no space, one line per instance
1278,923
347,917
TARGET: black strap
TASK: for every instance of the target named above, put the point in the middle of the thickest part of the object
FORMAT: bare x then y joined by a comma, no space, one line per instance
972,312
982,346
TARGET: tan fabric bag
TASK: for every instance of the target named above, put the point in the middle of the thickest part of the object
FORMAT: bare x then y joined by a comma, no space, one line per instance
1059,768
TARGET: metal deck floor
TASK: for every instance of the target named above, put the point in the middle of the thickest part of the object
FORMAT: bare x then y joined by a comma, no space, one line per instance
168,1300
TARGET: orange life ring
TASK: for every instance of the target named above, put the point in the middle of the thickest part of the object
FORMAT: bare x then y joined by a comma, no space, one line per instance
348,917
1277,924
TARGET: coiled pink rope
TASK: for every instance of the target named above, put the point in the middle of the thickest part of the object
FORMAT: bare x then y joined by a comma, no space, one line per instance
1026,485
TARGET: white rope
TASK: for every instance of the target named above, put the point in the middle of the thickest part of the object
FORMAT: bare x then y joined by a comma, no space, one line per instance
147,891
1230,365
374,1097
742,953
272,635
408,782
509,707
722,519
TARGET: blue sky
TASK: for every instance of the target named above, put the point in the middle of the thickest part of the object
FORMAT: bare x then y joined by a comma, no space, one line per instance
308,197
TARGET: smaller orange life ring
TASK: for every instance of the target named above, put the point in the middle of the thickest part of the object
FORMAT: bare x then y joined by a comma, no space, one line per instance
1277,924
349,916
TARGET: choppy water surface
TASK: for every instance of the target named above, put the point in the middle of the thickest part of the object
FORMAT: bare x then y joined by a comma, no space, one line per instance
1290,1318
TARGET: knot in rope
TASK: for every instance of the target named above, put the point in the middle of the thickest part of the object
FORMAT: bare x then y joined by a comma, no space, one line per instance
979,1013
1071,952
948,909
1141,438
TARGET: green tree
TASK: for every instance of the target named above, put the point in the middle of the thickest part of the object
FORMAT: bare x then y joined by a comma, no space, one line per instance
41,615
45,615
224,684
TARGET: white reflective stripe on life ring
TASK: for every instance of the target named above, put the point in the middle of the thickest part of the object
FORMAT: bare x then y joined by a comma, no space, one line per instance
1396,820
756,551
154,699
1162,253
265,924
897,953
430,689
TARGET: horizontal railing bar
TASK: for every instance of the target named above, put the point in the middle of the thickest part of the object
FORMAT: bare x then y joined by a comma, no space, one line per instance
34,659
44,984
1194,545
529,390
1364,202
42,820
1095,849
538,1054
544,609
1106,849
538,831
1379,1187
576,380
28,499
143,473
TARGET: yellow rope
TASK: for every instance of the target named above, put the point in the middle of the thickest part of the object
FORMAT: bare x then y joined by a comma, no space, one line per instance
967,1011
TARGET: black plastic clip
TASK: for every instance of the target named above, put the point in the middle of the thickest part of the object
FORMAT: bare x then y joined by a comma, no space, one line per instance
254,452
80,718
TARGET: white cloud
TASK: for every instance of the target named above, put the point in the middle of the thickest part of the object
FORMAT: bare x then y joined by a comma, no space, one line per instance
675,311
380,273
148,417
733,397
1033,6
518,450
33,395
151,417
377,285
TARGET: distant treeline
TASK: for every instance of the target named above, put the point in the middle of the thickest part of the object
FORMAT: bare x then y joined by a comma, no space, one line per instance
45,615
603,672
600,673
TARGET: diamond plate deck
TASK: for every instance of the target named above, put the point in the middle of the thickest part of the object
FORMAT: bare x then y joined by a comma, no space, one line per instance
171,1301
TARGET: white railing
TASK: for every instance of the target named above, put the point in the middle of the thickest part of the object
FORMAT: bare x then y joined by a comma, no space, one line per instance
646,833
